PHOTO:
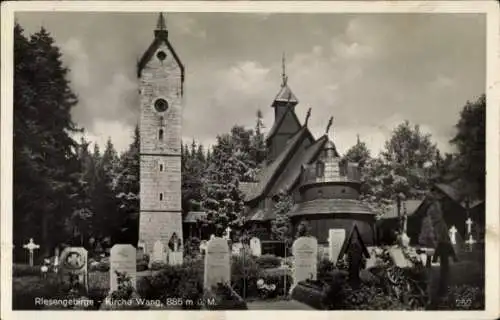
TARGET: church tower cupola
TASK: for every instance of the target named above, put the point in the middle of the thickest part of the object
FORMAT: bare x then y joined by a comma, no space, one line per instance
285,99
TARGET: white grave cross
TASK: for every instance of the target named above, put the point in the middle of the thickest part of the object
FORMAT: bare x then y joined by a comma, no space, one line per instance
30,246
227,234
469,225
452,233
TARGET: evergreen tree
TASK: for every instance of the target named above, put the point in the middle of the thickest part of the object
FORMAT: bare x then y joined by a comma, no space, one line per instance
221,197
281,226
258,142
46,167
127,191
470,140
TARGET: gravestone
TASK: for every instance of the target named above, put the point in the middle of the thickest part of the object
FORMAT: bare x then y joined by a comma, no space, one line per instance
236,248
74,264
159,254
397,255
336,238
255,247
123,260
203,246
56,260
217,263
175,250
305,251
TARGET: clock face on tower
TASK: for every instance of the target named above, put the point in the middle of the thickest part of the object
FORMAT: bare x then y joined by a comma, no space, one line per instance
161,105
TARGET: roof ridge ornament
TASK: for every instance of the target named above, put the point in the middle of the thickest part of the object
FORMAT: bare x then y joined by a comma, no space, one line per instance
308,115
330,122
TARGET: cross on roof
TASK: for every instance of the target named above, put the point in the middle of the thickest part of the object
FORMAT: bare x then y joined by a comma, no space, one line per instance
284,77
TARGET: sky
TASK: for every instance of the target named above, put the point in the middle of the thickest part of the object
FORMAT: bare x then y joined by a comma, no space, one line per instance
370,71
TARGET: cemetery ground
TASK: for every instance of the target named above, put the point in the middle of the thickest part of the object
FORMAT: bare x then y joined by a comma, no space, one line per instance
256,283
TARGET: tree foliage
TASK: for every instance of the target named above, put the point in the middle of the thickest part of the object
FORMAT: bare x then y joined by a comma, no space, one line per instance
281,226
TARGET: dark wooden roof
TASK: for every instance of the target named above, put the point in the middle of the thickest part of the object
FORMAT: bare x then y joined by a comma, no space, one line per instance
277,124
286,95
269,173
347,243
161,36
294,168
330,206
412,207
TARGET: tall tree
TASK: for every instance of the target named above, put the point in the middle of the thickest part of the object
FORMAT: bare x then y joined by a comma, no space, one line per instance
358,153
281,227
45,163
127,190
470,140
221,196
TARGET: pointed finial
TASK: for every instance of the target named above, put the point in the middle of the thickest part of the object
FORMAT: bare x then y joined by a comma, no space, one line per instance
330,122
308,115
161,23
284,77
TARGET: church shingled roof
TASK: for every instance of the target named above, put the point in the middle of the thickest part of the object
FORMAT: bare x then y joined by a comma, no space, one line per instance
292,173
286,95
268,173
277,123
330,206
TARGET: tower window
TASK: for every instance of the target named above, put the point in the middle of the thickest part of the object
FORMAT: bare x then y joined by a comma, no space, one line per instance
161,167
161,105
161,196
161,55
320,169
160,134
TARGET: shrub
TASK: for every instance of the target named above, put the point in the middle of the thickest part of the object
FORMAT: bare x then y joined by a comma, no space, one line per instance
277,277
157,265
181,281
26,289
325,266
268,261
192,247
463,297
244,275
225,299
22,270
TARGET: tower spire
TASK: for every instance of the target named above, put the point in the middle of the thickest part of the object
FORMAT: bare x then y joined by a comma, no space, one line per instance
160,25
284,77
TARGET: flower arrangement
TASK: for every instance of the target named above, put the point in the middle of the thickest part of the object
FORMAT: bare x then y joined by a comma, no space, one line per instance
266,290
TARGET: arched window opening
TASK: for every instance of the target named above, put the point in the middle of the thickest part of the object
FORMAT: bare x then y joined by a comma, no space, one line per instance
160,134
161,167
161,196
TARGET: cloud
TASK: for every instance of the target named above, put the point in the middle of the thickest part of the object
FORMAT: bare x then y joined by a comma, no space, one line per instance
76,56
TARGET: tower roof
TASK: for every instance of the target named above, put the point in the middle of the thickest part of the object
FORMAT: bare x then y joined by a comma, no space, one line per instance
286,95
160,36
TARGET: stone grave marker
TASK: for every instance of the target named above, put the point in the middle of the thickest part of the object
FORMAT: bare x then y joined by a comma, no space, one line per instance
255,247
203,246
397,255
217,263
175,250
305,251
336,238
236,248
74,263
123,260
159,254
453,235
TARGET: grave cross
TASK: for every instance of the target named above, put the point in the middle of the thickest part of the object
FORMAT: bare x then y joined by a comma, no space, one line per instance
469,225
30,246
452,233
470,242
227,234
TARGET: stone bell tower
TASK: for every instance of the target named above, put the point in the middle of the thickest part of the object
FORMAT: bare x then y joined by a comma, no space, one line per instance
161,84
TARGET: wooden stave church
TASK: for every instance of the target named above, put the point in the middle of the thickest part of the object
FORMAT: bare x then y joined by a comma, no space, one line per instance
324,188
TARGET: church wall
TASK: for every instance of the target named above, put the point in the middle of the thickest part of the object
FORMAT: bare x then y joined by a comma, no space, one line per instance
324,191
321,224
